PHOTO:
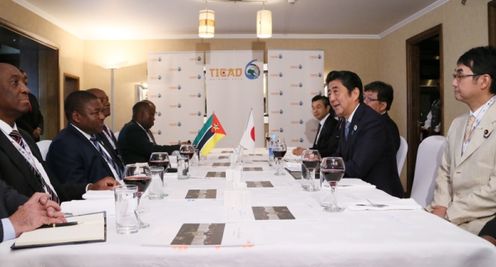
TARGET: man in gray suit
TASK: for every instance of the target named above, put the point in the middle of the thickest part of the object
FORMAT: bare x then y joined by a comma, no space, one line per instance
465,185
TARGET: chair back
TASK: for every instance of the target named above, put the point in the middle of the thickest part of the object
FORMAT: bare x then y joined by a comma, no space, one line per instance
401,154
429,154
43,146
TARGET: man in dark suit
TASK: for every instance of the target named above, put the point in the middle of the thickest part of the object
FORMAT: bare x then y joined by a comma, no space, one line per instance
379,96
107,136
21,164
136,142
19,215
76,155
327,135
364,144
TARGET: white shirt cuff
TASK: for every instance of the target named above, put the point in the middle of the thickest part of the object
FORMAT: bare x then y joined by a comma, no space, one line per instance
8,229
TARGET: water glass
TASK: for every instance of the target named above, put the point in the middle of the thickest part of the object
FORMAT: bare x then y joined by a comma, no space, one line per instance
156,187
126,203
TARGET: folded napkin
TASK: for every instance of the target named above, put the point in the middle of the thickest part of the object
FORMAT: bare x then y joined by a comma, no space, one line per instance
98,194
89,206
395,204
354,182
293,166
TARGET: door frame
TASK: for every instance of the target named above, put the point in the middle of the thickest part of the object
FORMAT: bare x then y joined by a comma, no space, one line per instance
491,19
65,93
413,96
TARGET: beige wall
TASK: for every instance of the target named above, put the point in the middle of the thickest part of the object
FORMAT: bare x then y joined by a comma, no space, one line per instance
71,48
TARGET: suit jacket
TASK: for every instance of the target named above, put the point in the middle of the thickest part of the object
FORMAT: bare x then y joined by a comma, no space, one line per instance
368,151
328,138
466,184
10,200
392,129
17,172
135,146
75,160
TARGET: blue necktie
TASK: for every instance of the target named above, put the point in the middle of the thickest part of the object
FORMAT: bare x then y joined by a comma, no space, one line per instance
106,157
346,129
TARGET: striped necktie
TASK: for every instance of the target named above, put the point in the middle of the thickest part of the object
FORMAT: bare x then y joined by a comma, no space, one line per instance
106,156
18,138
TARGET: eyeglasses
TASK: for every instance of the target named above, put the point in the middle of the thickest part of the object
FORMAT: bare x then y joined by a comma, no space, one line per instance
368,99
459,76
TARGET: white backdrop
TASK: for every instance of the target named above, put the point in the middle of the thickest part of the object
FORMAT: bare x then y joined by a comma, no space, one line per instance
234,81
294,77
176,86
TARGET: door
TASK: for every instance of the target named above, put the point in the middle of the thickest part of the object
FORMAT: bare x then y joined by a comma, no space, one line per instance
71,84
424,92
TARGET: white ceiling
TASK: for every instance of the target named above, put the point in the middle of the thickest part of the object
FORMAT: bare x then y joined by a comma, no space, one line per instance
171,19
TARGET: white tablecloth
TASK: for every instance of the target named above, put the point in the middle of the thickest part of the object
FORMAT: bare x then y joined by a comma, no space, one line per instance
354,237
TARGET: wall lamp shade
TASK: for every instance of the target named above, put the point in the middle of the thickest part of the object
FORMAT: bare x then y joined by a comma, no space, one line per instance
206,25
264,23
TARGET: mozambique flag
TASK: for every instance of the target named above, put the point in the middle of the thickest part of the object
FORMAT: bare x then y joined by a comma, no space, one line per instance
209,135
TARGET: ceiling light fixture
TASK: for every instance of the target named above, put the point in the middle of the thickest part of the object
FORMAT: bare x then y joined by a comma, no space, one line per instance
264,23
206,23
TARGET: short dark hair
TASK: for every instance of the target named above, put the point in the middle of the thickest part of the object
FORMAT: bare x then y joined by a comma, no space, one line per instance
481,60
384,91
76,101
322,98
140,107
349,79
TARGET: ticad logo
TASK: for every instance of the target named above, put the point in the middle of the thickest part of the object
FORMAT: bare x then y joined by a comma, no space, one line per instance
225,72
252,71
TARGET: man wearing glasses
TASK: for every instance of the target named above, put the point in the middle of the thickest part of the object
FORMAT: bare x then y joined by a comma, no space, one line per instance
465,185
379,96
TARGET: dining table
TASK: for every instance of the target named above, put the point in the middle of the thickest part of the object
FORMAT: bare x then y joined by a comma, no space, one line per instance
233,211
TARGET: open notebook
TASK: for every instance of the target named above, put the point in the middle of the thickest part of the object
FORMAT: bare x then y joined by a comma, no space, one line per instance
89,228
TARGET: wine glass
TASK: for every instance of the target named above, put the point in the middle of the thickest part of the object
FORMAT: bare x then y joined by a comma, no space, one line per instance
187,151
279,150
310,160
157,161
332,169
138,174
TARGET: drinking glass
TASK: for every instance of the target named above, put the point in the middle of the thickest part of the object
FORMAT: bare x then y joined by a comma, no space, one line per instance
126,203
138,174
332,169
310,160
160,159
279,149
187,151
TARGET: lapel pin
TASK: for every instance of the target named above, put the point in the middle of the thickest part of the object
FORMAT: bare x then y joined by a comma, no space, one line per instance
487,133
355,128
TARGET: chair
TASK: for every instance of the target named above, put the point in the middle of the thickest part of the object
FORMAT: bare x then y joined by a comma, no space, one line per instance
43,146
429,154
401,154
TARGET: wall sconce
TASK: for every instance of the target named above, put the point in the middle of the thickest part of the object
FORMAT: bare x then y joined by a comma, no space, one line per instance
206,25
264,23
